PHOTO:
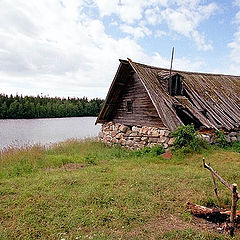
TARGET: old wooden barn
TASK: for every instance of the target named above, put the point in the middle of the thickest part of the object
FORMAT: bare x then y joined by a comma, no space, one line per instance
145,103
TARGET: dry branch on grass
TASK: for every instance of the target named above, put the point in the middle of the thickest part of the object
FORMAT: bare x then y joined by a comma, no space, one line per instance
216,215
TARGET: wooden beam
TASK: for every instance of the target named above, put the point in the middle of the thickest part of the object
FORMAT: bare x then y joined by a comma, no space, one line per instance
220,178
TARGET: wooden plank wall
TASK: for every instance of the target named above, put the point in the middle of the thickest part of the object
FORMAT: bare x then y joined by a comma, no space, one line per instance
143,114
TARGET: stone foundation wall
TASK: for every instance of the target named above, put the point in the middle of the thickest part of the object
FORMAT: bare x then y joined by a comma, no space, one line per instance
230,136
135,137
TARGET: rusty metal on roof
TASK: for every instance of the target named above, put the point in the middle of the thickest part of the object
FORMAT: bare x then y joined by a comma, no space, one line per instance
214,99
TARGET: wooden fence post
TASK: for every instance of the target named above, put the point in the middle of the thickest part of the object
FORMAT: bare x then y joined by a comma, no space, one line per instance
234,208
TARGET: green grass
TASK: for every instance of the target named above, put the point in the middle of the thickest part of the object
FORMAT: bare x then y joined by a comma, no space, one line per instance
114,194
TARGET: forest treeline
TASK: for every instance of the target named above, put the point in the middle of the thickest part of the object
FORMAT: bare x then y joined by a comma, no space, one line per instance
47,107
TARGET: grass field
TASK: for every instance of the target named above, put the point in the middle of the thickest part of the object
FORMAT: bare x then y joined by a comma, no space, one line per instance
85,190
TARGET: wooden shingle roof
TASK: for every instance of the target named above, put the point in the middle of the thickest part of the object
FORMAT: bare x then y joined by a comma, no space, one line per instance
214,99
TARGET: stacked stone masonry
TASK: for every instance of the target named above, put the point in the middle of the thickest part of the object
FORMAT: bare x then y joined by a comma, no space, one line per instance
230,136
136,137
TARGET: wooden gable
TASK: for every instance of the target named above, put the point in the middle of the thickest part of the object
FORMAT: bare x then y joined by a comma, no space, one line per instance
134,106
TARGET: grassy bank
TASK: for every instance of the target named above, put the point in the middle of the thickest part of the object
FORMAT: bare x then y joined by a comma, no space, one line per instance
85,190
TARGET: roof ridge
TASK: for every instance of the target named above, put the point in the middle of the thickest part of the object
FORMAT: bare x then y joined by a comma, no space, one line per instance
181,71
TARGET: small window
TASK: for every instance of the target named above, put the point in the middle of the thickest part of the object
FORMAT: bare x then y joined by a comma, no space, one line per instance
129,106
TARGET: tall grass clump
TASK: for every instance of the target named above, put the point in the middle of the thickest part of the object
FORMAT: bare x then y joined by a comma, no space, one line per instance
150,151
188,140
20,161
236,146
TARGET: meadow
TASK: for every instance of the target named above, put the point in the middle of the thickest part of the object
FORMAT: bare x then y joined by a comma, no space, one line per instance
86,190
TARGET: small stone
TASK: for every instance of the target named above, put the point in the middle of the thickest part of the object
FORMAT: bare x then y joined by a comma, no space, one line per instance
233,139
123,128
128,132
122,142
162,132
162,139
228,139
167,154
119,135
129,143
152,144
167,133
232,134
135,129
114,140
116,126
153,140
140,145
171,141
155,133
114,133
133,134
206,138
144,130
108,138
165,145
145,139
137,139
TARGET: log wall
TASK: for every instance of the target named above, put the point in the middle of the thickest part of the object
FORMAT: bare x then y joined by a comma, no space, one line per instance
143,111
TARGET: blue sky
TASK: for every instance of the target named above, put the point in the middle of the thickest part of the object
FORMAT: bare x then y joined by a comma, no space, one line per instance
71,47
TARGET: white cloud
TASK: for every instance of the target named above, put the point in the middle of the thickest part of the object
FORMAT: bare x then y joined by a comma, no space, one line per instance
201,42
185,20
54,47
235,44
181,16
183,63
160,33
136,32
236,3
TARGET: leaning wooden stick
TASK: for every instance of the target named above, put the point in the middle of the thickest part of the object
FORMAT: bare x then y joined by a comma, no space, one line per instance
220,178
215,189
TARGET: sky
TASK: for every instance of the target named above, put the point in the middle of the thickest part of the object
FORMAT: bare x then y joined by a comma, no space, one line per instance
72,47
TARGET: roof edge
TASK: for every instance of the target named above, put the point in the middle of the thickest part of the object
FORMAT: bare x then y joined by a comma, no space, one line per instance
181,71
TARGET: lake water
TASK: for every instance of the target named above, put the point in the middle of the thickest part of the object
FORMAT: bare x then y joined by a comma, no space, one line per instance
20,132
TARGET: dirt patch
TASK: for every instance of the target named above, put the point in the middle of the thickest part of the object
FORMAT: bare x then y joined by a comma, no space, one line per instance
72,166
167,223
67,167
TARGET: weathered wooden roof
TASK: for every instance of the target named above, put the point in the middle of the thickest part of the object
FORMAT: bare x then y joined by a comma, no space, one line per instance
214,99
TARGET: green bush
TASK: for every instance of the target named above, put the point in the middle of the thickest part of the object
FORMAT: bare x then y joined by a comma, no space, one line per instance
221,139
187,139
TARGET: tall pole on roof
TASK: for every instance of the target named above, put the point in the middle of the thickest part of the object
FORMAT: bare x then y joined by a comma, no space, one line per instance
171,63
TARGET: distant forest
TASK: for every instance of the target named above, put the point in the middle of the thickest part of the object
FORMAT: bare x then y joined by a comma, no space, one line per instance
46,107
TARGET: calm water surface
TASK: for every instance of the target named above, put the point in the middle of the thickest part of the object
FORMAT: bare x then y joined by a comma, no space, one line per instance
19,132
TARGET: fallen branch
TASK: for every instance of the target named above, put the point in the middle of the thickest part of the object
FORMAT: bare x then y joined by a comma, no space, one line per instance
216,215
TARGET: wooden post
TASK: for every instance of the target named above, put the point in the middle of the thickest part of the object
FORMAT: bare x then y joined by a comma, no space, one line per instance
234,208
170,72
